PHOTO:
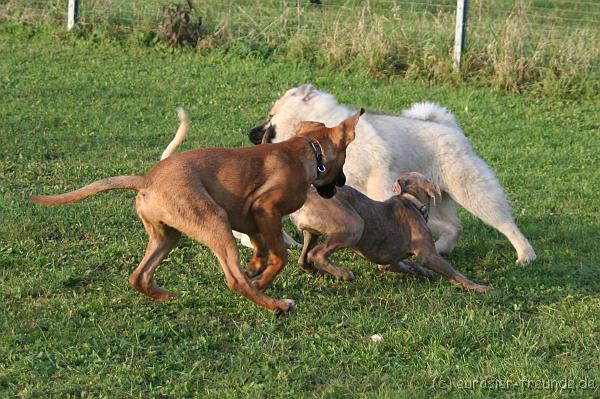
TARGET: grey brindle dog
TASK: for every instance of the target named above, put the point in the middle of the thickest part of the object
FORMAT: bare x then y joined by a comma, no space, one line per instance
385,232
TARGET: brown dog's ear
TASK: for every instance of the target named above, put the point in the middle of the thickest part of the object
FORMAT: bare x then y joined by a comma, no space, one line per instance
265,139
268,135
349,126
307,126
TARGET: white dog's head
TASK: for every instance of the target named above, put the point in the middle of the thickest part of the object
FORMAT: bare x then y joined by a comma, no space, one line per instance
303,103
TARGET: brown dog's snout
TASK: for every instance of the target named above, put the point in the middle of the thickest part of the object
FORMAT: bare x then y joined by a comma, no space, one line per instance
340,179
329,190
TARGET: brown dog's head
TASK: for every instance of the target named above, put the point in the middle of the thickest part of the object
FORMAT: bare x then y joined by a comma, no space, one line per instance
333,142
418,185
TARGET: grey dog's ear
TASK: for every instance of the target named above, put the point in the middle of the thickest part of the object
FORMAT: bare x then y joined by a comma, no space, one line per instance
399,186
307,91
434,192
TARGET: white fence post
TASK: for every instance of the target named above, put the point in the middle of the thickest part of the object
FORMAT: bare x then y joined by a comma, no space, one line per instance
72,13
460,34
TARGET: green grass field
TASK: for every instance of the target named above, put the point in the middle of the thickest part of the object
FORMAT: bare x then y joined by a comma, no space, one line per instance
72,111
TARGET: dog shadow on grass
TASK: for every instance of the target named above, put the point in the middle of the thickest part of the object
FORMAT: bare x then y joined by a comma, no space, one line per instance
567,263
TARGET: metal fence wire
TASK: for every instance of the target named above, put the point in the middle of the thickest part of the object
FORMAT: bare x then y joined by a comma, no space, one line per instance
560,35
572,16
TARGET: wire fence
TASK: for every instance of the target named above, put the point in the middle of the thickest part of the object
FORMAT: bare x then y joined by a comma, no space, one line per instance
513,41
578,16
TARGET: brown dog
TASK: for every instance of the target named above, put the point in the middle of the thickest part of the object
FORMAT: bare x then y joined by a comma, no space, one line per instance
207,192
385,233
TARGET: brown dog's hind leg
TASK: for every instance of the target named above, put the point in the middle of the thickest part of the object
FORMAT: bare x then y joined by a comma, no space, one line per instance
309,242
161,240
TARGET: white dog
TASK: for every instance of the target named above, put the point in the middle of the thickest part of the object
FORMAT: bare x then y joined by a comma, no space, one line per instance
425,139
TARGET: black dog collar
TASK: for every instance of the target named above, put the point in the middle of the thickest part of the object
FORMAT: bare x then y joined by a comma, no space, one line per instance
318,154
423,209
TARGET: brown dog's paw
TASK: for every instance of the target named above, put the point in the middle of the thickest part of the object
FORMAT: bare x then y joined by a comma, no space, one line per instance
165,296
482,289
258,283
286,305
252,272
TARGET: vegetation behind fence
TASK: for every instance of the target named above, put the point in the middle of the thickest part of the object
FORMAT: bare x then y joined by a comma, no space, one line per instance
544,46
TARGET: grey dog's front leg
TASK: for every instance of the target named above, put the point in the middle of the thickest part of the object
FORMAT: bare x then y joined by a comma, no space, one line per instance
309,242
440,265
408,267
319,255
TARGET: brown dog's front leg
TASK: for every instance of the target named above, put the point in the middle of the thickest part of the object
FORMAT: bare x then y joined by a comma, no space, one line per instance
269,225
213,229
238,281
258,263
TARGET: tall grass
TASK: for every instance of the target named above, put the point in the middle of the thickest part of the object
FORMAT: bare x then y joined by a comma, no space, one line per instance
550,47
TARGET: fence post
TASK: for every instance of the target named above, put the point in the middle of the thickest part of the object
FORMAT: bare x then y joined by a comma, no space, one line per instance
72,13
460,34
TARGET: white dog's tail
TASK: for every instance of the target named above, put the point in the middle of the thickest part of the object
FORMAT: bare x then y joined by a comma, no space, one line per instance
184,125
431,112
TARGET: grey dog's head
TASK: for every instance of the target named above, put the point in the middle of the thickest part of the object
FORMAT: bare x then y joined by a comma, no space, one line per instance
418,185
299,104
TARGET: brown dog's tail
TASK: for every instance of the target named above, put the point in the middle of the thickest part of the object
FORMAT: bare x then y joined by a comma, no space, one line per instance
111,183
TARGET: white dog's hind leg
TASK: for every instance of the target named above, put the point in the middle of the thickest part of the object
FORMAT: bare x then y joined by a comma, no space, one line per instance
525,252
445,224
474,186
245,240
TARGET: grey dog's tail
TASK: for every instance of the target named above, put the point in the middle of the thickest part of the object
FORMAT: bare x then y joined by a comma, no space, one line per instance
111,183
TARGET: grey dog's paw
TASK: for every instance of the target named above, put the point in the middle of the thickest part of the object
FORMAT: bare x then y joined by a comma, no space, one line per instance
346,275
